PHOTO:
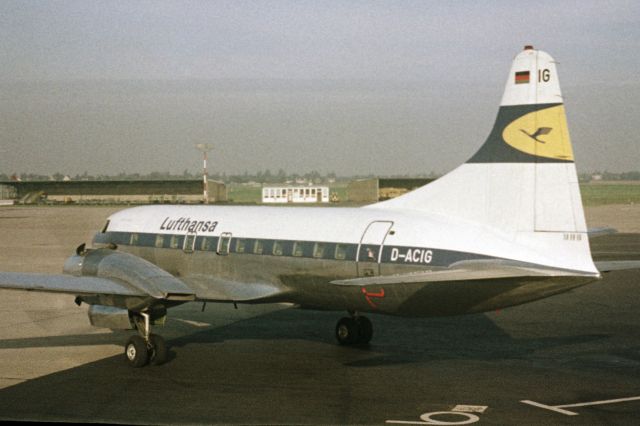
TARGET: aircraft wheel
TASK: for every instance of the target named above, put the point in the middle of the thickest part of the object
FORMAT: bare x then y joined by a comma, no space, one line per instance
159,351
136,352
347,331
365,330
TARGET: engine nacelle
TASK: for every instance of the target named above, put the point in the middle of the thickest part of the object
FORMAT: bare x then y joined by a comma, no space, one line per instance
151,286
110,317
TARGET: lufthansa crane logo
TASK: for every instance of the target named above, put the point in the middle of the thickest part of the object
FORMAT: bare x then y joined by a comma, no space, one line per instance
540,132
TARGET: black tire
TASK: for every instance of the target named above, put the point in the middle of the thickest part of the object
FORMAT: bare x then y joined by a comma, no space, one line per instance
347,331
135,351
365,330
159,352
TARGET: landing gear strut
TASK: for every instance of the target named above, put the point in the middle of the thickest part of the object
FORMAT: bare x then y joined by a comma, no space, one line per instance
354,330
146,347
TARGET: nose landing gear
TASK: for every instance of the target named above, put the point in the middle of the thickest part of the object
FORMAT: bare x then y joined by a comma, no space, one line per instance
145,348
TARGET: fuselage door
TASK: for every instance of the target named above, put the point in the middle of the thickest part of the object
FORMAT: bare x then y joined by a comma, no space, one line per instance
369,252
224,243
189,242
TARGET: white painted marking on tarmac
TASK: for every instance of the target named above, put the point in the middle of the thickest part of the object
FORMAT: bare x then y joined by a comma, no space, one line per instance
560,408
607,401
470,408
458,410
470,418
549,407
194,323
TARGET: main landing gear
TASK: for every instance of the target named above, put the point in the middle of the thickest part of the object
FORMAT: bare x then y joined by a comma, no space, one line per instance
354,330
145,348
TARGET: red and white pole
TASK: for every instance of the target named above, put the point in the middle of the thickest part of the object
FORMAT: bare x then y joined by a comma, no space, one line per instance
205,180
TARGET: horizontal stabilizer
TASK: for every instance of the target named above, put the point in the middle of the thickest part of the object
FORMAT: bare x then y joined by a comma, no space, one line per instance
599,232
462,271
617,265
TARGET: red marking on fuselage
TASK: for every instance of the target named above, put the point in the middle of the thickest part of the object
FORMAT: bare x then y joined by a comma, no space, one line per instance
368,296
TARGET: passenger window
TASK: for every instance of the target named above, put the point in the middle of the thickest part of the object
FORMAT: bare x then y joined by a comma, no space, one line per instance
159,241
341,251
173,243
258,247
298,250
133,240
278,248
241,246
318,250
205,244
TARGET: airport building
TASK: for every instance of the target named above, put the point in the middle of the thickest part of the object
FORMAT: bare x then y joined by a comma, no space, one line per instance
112,191
375,189
7,192
361,191
295,194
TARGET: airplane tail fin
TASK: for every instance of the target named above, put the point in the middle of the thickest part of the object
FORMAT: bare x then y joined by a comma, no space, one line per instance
522,180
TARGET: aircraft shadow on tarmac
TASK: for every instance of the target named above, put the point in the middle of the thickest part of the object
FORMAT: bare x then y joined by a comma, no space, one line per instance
285,366
396,341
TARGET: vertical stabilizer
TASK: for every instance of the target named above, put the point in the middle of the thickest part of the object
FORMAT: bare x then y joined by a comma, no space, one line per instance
522,180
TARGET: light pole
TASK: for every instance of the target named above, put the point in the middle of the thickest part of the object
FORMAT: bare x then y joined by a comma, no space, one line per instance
205,148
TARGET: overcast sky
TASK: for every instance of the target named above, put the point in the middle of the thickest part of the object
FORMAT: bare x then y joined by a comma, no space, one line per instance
354,87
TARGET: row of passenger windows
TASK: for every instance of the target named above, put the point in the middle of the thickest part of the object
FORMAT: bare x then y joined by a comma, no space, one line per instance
296,248
224,245
159,241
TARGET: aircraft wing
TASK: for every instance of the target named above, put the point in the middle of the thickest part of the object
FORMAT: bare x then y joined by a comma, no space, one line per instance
617,265
67,284
461,271
215,289
112,276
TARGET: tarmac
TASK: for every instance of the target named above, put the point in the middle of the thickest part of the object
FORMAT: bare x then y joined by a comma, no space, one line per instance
572,358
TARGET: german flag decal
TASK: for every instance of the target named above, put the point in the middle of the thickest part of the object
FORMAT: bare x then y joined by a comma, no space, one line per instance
522,77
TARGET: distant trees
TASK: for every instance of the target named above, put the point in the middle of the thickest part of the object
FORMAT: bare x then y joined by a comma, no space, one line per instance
629,176
266,176
608,176
262,176
30,176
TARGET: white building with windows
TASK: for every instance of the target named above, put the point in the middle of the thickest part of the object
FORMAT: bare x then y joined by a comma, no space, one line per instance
295,194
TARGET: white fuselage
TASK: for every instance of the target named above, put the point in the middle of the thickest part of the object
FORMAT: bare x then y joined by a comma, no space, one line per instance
301,250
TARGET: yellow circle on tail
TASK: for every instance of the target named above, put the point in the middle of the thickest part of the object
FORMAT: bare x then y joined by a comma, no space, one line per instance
542,133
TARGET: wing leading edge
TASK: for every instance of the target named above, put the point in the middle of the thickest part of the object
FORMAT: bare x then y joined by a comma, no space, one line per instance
66,284
217,290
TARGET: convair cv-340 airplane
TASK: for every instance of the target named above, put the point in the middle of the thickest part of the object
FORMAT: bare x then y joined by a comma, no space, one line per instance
505,228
